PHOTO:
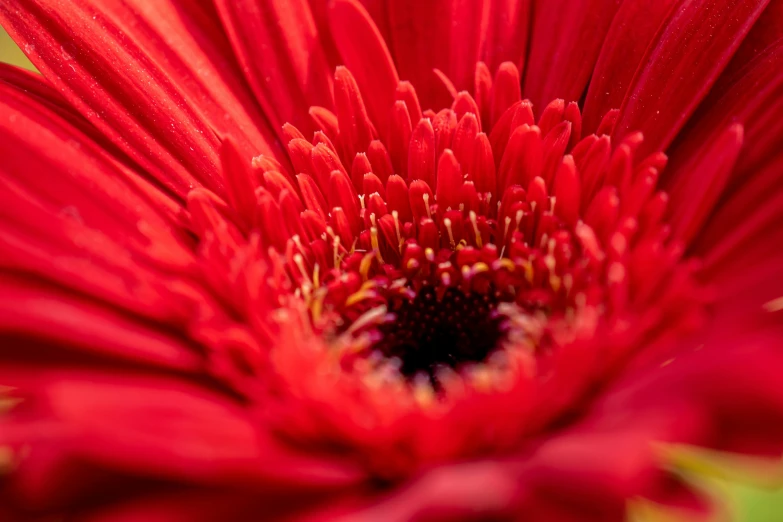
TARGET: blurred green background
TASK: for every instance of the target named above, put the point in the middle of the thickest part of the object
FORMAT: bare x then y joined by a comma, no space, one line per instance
10,53
744,503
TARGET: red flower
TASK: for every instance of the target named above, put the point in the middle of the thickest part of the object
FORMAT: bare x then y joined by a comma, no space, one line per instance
259,261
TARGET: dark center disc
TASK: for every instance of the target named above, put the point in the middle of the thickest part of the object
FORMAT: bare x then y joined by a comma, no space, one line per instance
452,330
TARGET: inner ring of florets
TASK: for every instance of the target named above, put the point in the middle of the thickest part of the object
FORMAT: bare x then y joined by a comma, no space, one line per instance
358,264
391,228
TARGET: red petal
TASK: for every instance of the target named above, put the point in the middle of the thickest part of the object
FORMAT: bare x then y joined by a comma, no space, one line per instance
575,481
380,160
506,36
377,207
407,93
41,92
466,32
694,196
421,155
449,182
400,136
361,166
567,37
444,124
482,91
150,76
320,137
342,194
634,27
162,427
518,114
687,396
320,10
694,46
573,115
275,183
268,219
364,52
378,12
554,147
356,131
312,197
741,243
397,192
279,49
476,490
42,322
291,133
421,199
743,231
343,233
750,96
325,161
602,212
765,32
444,35
326,121
464,140
592,167
372,184
301,151
522,160
463,104
82,219
567,192
552,114
505,90
239,181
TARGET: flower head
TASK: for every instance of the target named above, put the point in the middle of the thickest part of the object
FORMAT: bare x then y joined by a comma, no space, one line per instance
313,261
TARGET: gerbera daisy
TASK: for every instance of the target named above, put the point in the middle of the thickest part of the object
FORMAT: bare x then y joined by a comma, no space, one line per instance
386,260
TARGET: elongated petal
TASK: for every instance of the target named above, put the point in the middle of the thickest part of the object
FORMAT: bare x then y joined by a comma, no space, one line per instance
741,230
128,424
750,96
279,49
93,240
745,218
765,32
162,104
203,66
564,46
633,28
506,36
365,53
694,196
99,190
36,87
320,10
444,35
742,247
40,321
694,46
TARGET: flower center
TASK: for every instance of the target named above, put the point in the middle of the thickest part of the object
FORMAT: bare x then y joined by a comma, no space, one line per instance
419,260
441,327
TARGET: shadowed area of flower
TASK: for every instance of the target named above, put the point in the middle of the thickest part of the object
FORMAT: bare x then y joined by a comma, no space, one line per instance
388,260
